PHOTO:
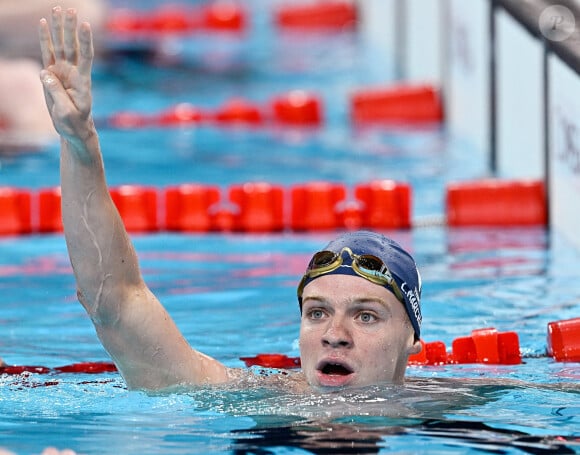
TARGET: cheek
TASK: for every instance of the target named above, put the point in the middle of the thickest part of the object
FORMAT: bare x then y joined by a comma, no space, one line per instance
388,346
305,341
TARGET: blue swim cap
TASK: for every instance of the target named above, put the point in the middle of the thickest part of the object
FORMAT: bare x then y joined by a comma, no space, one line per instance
400,263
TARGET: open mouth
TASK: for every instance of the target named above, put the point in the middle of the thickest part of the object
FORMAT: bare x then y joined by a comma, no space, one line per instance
335,369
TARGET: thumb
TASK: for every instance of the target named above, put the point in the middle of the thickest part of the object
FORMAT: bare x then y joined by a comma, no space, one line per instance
53,88
47,78
47,81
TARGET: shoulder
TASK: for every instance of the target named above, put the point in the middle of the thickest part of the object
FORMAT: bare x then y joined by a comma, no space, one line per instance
286,380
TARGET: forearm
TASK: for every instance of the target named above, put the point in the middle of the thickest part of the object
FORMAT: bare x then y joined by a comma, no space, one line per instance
102,256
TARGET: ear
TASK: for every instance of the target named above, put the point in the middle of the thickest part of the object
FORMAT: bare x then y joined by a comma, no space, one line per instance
415,348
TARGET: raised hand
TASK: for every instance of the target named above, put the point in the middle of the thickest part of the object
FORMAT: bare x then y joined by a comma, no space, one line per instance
67,56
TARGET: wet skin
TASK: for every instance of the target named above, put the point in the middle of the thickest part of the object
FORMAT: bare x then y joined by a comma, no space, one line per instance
353,333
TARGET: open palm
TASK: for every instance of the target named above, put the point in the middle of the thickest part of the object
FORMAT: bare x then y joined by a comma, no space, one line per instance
67,55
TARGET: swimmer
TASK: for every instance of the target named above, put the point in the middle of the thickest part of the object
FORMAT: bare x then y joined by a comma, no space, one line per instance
359,298
19,18
24,123
47,451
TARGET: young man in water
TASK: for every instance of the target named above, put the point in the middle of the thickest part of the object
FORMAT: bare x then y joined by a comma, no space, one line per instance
359,297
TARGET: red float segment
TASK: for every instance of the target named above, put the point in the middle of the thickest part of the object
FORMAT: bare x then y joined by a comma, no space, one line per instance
432,353
463,350
83,367
19,369
314,206
350,215
436,352
487,346
508,345
298,108
49,208
420,358
224,16
401,104
386,204
125,21
564,340
128,120
239,111
261,207
218,16
137,206
328,15
493,202
272,361
87,367
187,207
224,219
169,19
181,114
15,211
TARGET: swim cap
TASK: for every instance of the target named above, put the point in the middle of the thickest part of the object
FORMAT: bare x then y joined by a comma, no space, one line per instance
400,263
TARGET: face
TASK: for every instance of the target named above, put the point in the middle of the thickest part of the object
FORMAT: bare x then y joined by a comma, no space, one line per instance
353,333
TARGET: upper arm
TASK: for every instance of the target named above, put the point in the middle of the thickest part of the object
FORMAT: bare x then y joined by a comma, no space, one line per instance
149,349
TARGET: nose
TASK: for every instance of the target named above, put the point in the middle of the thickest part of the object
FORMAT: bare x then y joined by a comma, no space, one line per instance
337,335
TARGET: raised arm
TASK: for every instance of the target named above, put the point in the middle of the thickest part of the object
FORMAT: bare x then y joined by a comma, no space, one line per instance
133,326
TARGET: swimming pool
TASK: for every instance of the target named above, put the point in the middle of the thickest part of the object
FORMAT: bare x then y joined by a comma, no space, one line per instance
233,295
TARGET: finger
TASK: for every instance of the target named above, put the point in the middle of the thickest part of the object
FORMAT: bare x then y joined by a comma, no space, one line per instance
71,43
46,48
86,50
57,33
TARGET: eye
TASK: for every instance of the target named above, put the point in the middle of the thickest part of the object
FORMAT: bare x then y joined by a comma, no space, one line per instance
366,317
315,313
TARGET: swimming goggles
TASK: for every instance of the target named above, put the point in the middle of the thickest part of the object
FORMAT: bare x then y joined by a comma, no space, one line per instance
367,266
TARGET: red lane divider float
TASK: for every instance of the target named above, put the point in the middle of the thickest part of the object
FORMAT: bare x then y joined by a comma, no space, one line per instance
564,340
248,207
483,346
262,207
432,353
217,16
406,105
382,204
82,367
272,361
314,16
137,206
314,205
411,105
229,16
386,204
495,202
50,215
296,108
239,111
487,346
15,211
187,207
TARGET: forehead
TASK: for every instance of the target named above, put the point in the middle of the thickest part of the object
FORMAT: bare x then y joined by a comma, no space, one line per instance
347,287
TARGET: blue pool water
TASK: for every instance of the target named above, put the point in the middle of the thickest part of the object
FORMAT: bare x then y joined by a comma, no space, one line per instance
233,295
